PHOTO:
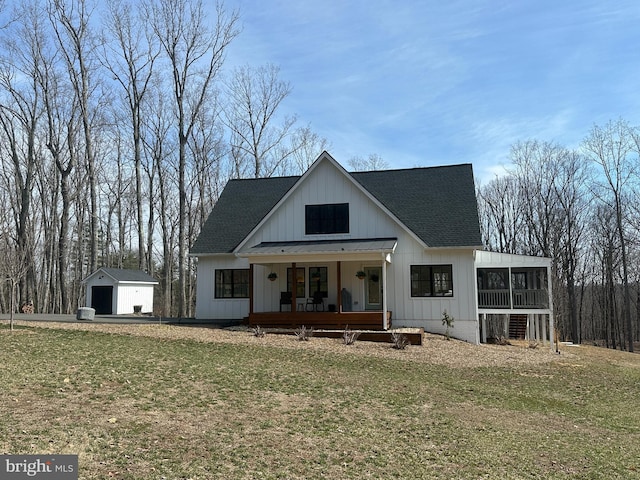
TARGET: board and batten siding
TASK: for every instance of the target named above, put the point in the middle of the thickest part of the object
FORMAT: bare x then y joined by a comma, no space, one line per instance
427,312
326,185
127,295
207,306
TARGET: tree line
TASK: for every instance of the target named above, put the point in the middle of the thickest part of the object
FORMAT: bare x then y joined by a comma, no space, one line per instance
580,207
119,126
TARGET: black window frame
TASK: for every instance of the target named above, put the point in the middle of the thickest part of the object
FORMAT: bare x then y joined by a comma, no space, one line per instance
319,284
425,280
326,219
231,283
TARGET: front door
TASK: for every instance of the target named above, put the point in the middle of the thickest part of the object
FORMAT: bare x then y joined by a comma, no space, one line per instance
373,288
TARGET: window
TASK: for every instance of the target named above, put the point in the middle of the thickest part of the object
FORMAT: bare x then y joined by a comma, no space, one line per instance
326,219
299,282
232,283
431,281
318,281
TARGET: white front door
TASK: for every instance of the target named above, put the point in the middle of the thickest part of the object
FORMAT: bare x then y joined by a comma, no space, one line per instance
373,288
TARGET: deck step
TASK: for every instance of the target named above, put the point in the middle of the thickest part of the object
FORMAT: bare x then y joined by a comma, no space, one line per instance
517,326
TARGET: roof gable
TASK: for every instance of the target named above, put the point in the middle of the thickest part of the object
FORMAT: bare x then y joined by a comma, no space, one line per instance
124,275
437,204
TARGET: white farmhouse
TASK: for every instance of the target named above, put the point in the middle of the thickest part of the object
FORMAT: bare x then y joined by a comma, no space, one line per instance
368,250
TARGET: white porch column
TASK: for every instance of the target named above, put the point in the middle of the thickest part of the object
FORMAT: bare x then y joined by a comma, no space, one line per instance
483,318
384,293
551,330
543,322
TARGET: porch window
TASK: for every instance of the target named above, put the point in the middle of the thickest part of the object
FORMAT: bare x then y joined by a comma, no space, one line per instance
431,281
232,283
299,281
318,281
326,219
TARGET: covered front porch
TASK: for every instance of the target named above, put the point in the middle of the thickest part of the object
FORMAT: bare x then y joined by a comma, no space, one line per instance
320,284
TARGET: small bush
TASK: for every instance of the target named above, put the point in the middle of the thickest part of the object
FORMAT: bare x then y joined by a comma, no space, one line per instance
303,333
258,331
349,337
448,321
399,340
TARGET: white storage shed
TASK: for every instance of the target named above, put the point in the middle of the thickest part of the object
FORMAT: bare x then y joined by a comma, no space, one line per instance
116,291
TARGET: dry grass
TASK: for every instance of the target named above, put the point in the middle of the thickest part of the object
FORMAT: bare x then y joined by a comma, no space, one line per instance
436,349
156,402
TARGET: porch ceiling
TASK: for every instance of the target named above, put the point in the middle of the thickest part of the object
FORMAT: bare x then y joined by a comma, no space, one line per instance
362,249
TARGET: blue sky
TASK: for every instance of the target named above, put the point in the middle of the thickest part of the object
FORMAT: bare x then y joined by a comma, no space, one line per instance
424,83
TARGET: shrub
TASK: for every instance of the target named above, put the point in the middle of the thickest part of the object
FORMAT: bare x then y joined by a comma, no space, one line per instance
448,321
399,340
258,331
349,337
303,333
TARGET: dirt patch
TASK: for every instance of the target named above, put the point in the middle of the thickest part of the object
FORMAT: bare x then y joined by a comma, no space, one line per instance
435,349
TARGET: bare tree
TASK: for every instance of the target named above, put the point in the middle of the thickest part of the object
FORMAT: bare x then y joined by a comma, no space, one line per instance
502,215
311,146
260,141
130,53
372,162
195,53
70,20
612,149
20,113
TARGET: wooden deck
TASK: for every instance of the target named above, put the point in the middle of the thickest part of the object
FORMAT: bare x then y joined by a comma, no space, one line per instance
324,320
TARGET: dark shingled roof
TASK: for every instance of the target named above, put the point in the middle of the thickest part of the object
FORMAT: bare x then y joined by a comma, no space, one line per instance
241,206
125,275
438,204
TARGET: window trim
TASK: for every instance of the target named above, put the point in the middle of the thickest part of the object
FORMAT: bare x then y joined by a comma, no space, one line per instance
432,269
236,284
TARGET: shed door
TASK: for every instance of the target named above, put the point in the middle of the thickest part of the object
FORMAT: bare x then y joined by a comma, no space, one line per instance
102,299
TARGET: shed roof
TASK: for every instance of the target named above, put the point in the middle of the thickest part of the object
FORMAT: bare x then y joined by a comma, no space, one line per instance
124,275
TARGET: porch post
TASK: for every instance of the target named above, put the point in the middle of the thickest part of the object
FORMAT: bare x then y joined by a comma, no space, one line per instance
543,322
384,293
250,288
339,283
294,287
550,305
483,316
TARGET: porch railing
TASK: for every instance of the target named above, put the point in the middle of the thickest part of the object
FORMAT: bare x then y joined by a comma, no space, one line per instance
521,299
530,299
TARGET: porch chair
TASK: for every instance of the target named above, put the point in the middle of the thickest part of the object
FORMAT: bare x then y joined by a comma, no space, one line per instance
315,303
285,299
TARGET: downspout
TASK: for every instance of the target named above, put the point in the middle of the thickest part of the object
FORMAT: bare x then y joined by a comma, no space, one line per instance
250,289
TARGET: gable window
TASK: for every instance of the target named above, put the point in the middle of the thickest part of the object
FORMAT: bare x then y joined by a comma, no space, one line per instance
326,219
431,281
232,283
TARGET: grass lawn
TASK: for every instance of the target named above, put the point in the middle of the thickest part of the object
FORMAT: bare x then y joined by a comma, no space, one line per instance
134,408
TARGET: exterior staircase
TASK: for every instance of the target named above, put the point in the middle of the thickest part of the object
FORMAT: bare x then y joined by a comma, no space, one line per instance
517,326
